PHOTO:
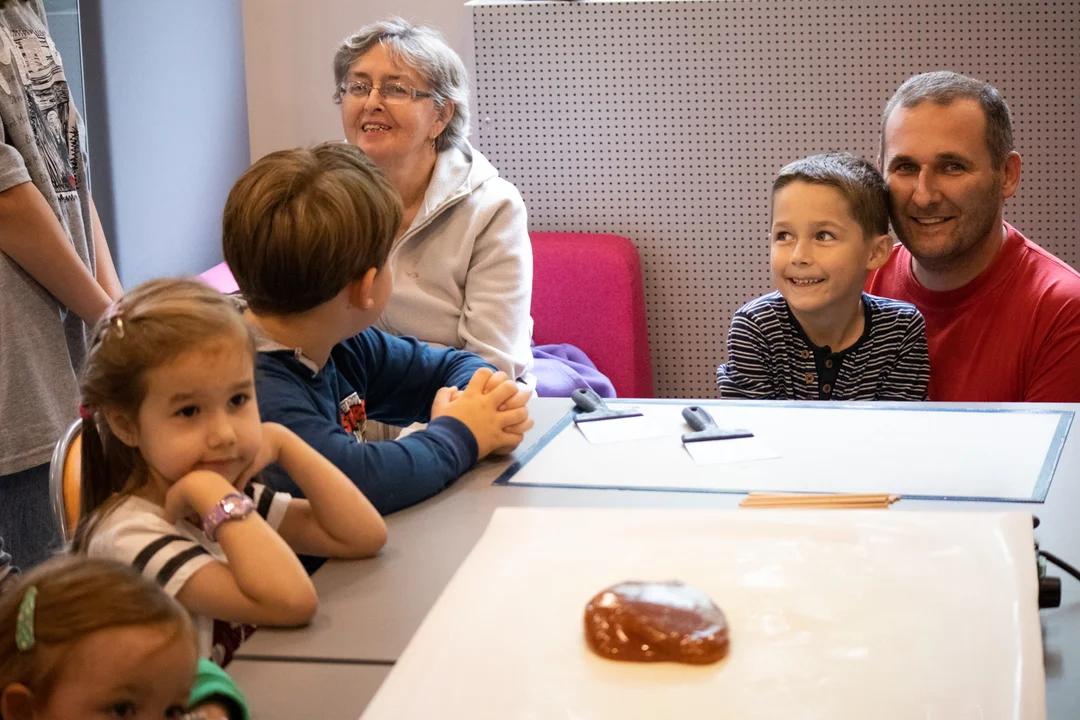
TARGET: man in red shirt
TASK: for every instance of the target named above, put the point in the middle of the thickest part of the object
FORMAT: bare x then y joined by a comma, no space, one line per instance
1002,314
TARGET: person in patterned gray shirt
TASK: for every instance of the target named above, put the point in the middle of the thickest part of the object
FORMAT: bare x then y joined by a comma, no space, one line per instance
819,336
56,274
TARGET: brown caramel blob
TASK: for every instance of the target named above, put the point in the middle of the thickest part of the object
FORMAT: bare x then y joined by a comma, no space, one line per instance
656,622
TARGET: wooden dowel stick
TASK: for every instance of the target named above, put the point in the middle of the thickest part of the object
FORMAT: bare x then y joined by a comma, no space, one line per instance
831,506
838,500
814,496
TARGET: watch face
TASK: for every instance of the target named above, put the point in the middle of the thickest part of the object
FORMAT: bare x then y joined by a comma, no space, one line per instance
236,505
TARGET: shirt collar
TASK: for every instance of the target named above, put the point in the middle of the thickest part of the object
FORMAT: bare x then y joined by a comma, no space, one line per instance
264,343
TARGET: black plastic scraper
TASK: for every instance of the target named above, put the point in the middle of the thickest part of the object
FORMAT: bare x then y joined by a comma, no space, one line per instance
601,423
710,444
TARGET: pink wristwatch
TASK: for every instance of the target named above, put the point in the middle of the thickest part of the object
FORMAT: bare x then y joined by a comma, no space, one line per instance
233,506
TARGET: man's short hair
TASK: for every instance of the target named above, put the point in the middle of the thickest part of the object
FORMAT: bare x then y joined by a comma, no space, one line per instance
856,179
300,225
944,88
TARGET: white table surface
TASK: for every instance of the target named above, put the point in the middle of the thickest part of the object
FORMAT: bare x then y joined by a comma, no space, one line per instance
370,609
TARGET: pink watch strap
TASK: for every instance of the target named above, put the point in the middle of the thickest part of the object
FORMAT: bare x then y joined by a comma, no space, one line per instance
233,506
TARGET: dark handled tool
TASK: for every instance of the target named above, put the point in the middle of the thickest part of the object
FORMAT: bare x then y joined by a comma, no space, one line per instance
592,407
705,428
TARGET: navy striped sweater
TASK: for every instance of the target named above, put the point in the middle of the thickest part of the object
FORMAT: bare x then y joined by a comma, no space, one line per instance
771,358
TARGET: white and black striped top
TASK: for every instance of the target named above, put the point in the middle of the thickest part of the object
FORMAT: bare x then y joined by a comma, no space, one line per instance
136,532
771,358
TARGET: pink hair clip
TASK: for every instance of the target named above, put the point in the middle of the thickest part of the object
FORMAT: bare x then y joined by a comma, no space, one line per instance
86,412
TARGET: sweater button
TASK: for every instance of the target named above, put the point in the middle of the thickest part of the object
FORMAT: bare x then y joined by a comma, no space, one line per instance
809,378
828,363
826,388
806,354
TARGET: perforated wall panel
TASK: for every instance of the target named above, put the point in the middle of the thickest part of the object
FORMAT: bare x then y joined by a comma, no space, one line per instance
666,121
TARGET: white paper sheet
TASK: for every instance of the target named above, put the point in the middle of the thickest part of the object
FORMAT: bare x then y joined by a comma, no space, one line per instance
906,452
623,430
849,615
734,450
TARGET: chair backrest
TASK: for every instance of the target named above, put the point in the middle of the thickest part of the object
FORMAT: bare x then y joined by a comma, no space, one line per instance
588,292
65,480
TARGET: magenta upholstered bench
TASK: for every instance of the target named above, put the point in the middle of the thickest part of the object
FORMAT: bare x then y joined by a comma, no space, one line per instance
588,292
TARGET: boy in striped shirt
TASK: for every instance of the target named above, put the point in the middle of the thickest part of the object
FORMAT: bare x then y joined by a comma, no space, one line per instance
819,336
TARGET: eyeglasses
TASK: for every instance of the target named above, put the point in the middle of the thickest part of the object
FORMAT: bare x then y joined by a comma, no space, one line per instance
391,92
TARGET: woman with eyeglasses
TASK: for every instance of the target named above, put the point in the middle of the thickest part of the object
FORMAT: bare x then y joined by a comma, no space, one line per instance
462,260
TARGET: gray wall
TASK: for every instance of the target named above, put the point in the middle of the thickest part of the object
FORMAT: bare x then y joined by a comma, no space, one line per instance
63,19
167,117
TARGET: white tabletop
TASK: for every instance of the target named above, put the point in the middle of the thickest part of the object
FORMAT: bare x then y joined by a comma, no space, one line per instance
370,609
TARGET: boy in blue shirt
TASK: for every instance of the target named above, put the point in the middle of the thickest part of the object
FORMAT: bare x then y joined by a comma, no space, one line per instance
307,234
819,336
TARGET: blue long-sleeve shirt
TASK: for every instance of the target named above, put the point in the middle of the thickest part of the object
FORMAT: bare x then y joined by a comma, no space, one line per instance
379,376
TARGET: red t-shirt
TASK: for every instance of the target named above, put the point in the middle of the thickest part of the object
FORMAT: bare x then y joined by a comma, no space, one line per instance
1010,335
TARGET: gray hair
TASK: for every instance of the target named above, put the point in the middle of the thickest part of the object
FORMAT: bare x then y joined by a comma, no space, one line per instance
424,50
944,88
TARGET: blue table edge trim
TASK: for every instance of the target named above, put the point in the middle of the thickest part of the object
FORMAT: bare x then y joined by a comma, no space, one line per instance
520,462
1038,493
1053,456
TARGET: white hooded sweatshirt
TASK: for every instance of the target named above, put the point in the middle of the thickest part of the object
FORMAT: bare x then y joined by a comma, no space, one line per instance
463,269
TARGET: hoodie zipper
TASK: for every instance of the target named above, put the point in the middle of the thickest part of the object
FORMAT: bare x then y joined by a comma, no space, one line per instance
458,195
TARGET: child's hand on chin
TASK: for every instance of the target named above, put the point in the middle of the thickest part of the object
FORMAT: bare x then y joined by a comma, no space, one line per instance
274,438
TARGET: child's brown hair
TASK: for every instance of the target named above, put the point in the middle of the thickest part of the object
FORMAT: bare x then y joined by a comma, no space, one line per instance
148,327
76,596
854,178
300,225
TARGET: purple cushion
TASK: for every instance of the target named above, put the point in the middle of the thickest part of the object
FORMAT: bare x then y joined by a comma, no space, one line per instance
561,369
